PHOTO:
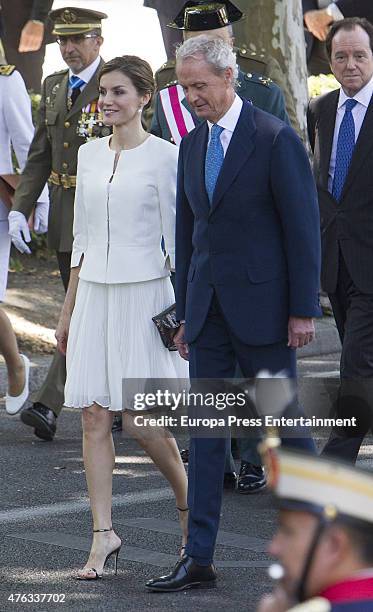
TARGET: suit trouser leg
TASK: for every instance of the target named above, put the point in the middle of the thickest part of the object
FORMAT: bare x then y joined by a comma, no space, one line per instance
213,355
171,37
51,393
353,312
30,65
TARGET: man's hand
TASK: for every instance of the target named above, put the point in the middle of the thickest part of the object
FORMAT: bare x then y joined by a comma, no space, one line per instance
300,331
318,22
31,37
179,341
19,231
41,217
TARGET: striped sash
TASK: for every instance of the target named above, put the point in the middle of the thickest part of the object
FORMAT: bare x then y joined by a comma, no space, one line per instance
179,119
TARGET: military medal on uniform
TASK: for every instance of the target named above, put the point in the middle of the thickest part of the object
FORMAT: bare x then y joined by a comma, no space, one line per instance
90,123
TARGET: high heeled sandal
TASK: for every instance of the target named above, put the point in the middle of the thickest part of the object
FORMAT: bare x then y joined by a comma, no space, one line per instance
115,552
182,547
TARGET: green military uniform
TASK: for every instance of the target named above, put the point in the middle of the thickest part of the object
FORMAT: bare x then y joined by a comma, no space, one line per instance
262,91
260,70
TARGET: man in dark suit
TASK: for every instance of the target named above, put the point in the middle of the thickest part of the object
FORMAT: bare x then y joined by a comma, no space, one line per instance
318,17
340,130
247,264
24,37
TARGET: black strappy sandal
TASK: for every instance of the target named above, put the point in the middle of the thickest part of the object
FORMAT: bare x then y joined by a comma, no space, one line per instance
115,552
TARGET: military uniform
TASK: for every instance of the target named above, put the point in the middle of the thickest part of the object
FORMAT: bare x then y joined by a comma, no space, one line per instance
263,92
16,130
335,493
259,89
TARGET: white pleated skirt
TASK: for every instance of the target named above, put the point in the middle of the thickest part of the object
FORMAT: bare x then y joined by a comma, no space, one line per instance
112,338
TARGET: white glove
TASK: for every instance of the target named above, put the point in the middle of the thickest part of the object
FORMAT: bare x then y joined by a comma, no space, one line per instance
41,217
17,227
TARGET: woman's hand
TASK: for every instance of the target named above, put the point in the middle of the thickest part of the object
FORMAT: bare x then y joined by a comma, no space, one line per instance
62,332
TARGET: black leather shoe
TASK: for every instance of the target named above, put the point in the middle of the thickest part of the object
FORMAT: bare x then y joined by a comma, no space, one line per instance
184,454
230,480
117,423
42,419
251,479
185,575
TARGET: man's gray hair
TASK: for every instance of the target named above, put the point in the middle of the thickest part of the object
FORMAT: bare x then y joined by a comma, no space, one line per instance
215,51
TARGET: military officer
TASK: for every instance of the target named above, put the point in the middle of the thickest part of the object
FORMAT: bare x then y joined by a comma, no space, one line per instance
259,65
68,117
324,539
172,119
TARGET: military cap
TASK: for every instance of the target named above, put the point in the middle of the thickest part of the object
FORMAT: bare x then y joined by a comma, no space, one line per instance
70,20
326,487
199,15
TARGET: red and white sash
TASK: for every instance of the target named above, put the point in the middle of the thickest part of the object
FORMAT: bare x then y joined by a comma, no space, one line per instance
179,119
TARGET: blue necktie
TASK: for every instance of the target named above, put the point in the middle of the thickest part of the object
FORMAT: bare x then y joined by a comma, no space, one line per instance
75,84
345,149
214,160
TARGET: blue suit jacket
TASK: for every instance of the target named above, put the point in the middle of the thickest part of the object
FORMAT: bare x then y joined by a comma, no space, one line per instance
258,245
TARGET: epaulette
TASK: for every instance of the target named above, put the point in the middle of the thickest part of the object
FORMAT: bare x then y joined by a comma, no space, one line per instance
7,69
317,604
58,73
259,79
165,75
253,55
174,82
166,66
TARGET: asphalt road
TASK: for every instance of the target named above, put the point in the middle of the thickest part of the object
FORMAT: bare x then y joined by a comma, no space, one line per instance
45,523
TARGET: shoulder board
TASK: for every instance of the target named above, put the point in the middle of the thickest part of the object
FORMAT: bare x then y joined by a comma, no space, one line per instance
258,79
166,75
317,604
170,84
56,74
7,69
249,54
170,65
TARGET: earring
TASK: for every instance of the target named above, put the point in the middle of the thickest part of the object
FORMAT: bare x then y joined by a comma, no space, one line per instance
139,110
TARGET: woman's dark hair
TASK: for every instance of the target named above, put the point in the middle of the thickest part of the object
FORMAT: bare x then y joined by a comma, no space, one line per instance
136,69
348,25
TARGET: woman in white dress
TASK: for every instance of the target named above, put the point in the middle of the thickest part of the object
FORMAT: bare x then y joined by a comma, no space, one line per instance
16,130
120,278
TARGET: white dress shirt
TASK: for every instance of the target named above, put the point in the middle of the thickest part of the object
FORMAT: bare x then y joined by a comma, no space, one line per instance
363,98
119,223
228,122
85,74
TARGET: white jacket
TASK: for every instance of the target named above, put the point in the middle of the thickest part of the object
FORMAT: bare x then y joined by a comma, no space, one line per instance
118,225
16,128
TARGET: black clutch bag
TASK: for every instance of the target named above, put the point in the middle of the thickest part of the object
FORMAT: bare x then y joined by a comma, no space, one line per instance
167,326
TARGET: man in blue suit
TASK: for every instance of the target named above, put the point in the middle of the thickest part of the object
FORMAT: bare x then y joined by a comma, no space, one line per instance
247,264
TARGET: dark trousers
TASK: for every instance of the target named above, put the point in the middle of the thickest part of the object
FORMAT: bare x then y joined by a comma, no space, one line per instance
51,393
353,312
318,63
213,355
171,37
30,64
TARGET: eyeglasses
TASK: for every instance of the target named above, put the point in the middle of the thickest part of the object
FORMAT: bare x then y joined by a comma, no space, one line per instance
75,39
